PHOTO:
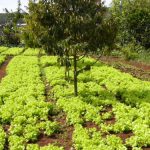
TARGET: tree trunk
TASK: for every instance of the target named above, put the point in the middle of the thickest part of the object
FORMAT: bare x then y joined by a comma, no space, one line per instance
75,74
67,66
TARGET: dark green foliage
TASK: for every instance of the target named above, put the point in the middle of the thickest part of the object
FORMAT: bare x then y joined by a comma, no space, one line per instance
133,21
69,28
139,25
3,18
42,28
77,21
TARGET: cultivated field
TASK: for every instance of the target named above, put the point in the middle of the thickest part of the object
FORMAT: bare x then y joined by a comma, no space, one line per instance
38,110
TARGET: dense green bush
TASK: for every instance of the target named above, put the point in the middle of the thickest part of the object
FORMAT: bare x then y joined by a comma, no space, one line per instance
133,19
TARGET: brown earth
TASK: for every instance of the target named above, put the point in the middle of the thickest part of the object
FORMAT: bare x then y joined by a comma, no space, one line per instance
107,109
111,121
6,129
124,136
137,69
139,65
3,68
90,124
63,138
146,148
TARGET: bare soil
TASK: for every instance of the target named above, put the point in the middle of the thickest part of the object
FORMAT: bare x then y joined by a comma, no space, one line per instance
139,65
146,148
124,136
137,69
107,109
90,124
111,121
6,129
63,138
3,68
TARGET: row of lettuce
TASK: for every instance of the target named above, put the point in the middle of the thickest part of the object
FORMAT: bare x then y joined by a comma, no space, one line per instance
23,109
23,51
100,87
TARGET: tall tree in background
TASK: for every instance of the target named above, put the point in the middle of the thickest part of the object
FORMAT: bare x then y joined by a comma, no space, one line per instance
69,28
42,28
133,18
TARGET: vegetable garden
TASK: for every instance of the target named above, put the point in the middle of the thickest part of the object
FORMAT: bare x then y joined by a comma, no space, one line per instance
38,110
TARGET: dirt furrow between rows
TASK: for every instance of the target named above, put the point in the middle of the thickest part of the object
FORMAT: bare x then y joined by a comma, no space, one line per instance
3,68
64,137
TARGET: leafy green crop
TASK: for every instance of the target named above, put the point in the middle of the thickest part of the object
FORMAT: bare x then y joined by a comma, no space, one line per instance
33,52
48,61
99,87
2,138
48,147
91,139
2,59
22,102
2,49
108,99
13,51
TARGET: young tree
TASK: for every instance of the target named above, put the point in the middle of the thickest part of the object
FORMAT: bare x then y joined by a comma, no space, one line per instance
87,26
69,28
